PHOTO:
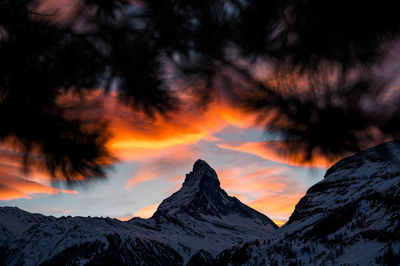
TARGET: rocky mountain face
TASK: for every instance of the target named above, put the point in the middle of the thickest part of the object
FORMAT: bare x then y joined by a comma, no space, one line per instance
351,217
198,219
201,197
204,211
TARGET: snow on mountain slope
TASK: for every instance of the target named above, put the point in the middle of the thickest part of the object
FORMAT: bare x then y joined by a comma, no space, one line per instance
200,216
201,198
351,217
16,221
201,209
360,193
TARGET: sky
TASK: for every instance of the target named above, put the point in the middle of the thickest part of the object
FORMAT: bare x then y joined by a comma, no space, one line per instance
154,154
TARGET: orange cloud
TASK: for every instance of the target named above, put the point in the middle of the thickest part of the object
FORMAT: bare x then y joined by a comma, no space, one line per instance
277,205
235,116
146,212
255,183
17,188
15,184
136,180
136,135
132,142
165,164
267,190
277,151
7,193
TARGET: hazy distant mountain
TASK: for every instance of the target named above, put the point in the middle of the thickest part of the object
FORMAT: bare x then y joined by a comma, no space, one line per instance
351,217
200,216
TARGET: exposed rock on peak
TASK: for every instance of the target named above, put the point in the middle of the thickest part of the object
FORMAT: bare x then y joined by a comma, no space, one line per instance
202,166
201,196
351,217
202,177
199,219
203,209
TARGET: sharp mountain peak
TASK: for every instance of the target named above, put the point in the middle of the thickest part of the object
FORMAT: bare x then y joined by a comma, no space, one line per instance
201,165
201,195
202,177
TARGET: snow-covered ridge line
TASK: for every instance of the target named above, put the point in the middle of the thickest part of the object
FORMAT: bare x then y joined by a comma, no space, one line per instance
351,217
200,216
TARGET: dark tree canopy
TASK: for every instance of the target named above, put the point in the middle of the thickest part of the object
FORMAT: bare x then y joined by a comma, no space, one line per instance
323,93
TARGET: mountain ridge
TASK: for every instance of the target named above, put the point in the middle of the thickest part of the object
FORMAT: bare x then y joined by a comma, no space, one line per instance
208,220
351,217
201,195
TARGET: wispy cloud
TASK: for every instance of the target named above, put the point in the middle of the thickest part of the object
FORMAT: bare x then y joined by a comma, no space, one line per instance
257,182
136,180
165,165
136,136
16,184
271,190
164,148
276,151
277,206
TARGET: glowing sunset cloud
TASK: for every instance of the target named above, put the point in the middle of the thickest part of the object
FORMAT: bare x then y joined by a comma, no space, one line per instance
7,193
277,205
135,135
147,211
257,182
164,164
15,184
136,180
267,190
16,188
162,149
277,151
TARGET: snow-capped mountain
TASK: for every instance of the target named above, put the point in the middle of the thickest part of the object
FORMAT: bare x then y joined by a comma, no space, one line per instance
351,217
204,211
199,218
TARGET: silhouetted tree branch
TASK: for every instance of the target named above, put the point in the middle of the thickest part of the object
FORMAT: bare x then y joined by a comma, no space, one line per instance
323,95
